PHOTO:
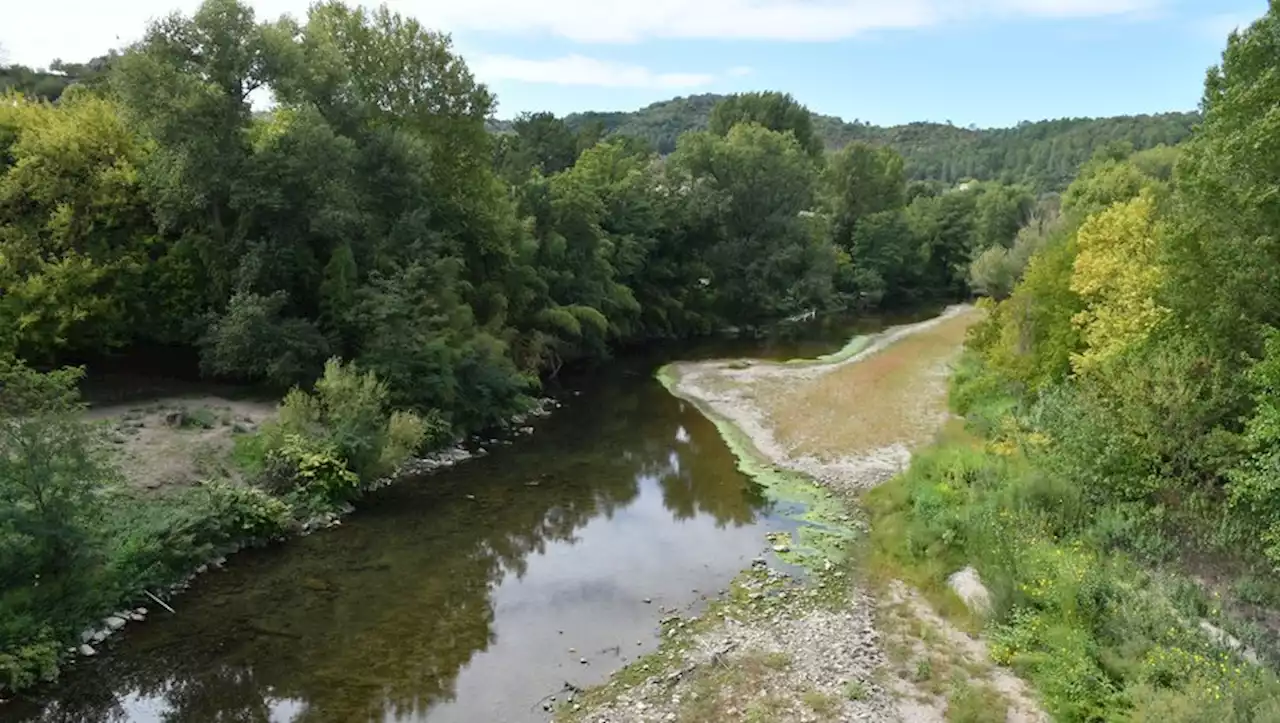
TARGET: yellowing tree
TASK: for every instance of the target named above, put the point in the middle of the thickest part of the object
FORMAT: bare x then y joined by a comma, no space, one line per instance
1116,274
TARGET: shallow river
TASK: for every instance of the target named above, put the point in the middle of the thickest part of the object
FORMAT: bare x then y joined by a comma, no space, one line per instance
470,594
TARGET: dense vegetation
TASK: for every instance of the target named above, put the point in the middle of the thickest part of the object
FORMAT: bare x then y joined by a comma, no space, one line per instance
369,244
1119,494
1043,155
49,84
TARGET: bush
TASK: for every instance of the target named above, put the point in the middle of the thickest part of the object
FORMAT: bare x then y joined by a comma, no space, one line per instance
327,442
52,479
254,340
313,470
25,665
244,513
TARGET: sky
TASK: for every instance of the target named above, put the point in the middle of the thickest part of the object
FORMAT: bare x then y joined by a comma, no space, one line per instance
982,62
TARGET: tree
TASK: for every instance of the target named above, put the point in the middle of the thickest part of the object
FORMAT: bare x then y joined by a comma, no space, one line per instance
1001,211
541,141
770,256
53,485
75,237
860,180
1117,275
775,111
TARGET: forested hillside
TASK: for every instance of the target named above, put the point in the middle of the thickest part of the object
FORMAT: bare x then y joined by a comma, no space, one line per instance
1044,155
49,84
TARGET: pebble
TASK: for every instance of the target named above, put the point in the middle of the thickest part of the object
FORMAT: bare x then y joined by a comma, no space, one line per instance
86,650
114,623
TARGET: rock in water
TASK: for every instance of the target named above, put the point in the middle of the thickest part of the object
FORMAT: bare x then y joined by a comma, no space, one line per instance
115,623
86,651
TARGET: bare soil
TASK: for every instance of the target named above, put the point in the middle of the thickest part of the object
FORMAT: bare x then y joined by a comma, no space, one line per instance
849,425
177,441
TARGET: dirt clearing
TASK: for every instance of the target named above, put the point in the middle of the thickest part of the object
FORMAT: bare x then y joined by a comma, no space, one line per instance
178,441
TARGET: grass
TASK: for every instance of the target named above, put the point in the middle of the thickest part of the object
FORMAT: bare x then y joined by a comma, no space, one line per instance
894,396
970,703
824,704
1099,636
856,690
736,688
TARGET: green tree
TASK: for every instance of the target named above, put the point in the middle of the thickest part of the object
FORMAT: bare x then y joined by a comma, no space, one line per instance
775,111
53,485
754,188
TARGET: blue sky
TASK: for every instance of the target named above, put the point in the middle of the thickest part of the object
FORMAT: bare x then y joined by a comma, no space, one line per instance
984,62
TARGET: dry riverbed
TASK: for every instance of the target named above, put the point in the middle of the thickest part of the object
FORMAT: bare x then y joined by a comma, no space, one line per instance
828,645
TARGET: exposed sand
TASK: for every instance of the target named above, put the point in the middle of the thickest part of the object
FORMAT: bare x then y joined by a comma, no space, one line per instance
180,440
848,424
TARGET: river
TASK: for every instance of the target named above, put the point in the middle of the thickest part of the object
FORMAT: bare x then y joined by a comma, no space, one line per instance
469,594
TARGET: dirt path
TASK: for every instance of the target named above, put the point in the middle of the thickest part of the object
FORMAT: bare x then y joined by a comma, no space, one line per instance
178,441
825,650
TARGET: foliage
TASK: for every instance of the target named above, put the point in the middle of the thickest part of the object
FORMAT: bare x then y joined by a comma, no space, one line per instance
778,112
331,440
1255,485
52,480
245,513
1044,155
1117,275
1125,391
253,341
768,256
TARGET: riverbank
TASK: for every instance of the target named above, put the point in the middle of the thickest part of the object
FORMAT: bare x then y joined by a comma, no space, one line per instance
829,644
188,481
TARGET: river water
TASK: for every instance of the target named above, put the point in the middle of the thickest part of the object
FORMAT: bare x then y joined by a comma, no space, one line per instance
469,594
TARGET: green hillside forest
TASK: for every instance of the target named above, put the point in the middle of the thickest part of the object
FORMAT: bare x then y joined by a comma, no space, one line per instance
1043,155
405,271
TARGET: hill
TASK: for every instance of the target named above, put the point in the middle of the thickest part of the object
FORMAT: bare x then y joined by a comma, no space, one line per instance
1045,154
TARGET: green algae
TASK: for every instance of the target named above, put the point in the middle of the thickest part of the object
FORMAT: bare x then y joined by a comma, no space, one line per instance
855,346
827,533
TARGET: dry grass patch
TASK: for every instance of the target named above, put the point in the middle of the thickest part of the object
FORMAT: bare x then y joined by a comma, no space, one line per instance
752,687
896,396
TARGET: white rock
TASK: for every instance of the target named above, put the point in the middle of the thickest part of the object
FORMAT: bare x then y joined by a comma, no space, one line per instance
98,636
1223,639
86,651
114,623
968,586
87,635
140,611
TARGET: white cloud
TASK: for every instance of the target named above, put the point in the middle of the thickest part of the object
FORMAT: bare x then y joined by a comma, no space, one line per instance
36,32
739,71
581,70
796,20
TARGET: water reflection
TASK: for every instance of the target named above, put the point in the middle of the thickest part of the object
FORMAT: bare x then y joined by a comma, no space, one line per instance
456,597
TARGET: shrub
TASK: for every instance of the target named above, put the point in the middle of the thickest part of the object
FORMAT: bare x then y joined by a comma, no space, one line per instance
254,340
406,434
242,512
315,470
25,665
328,441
